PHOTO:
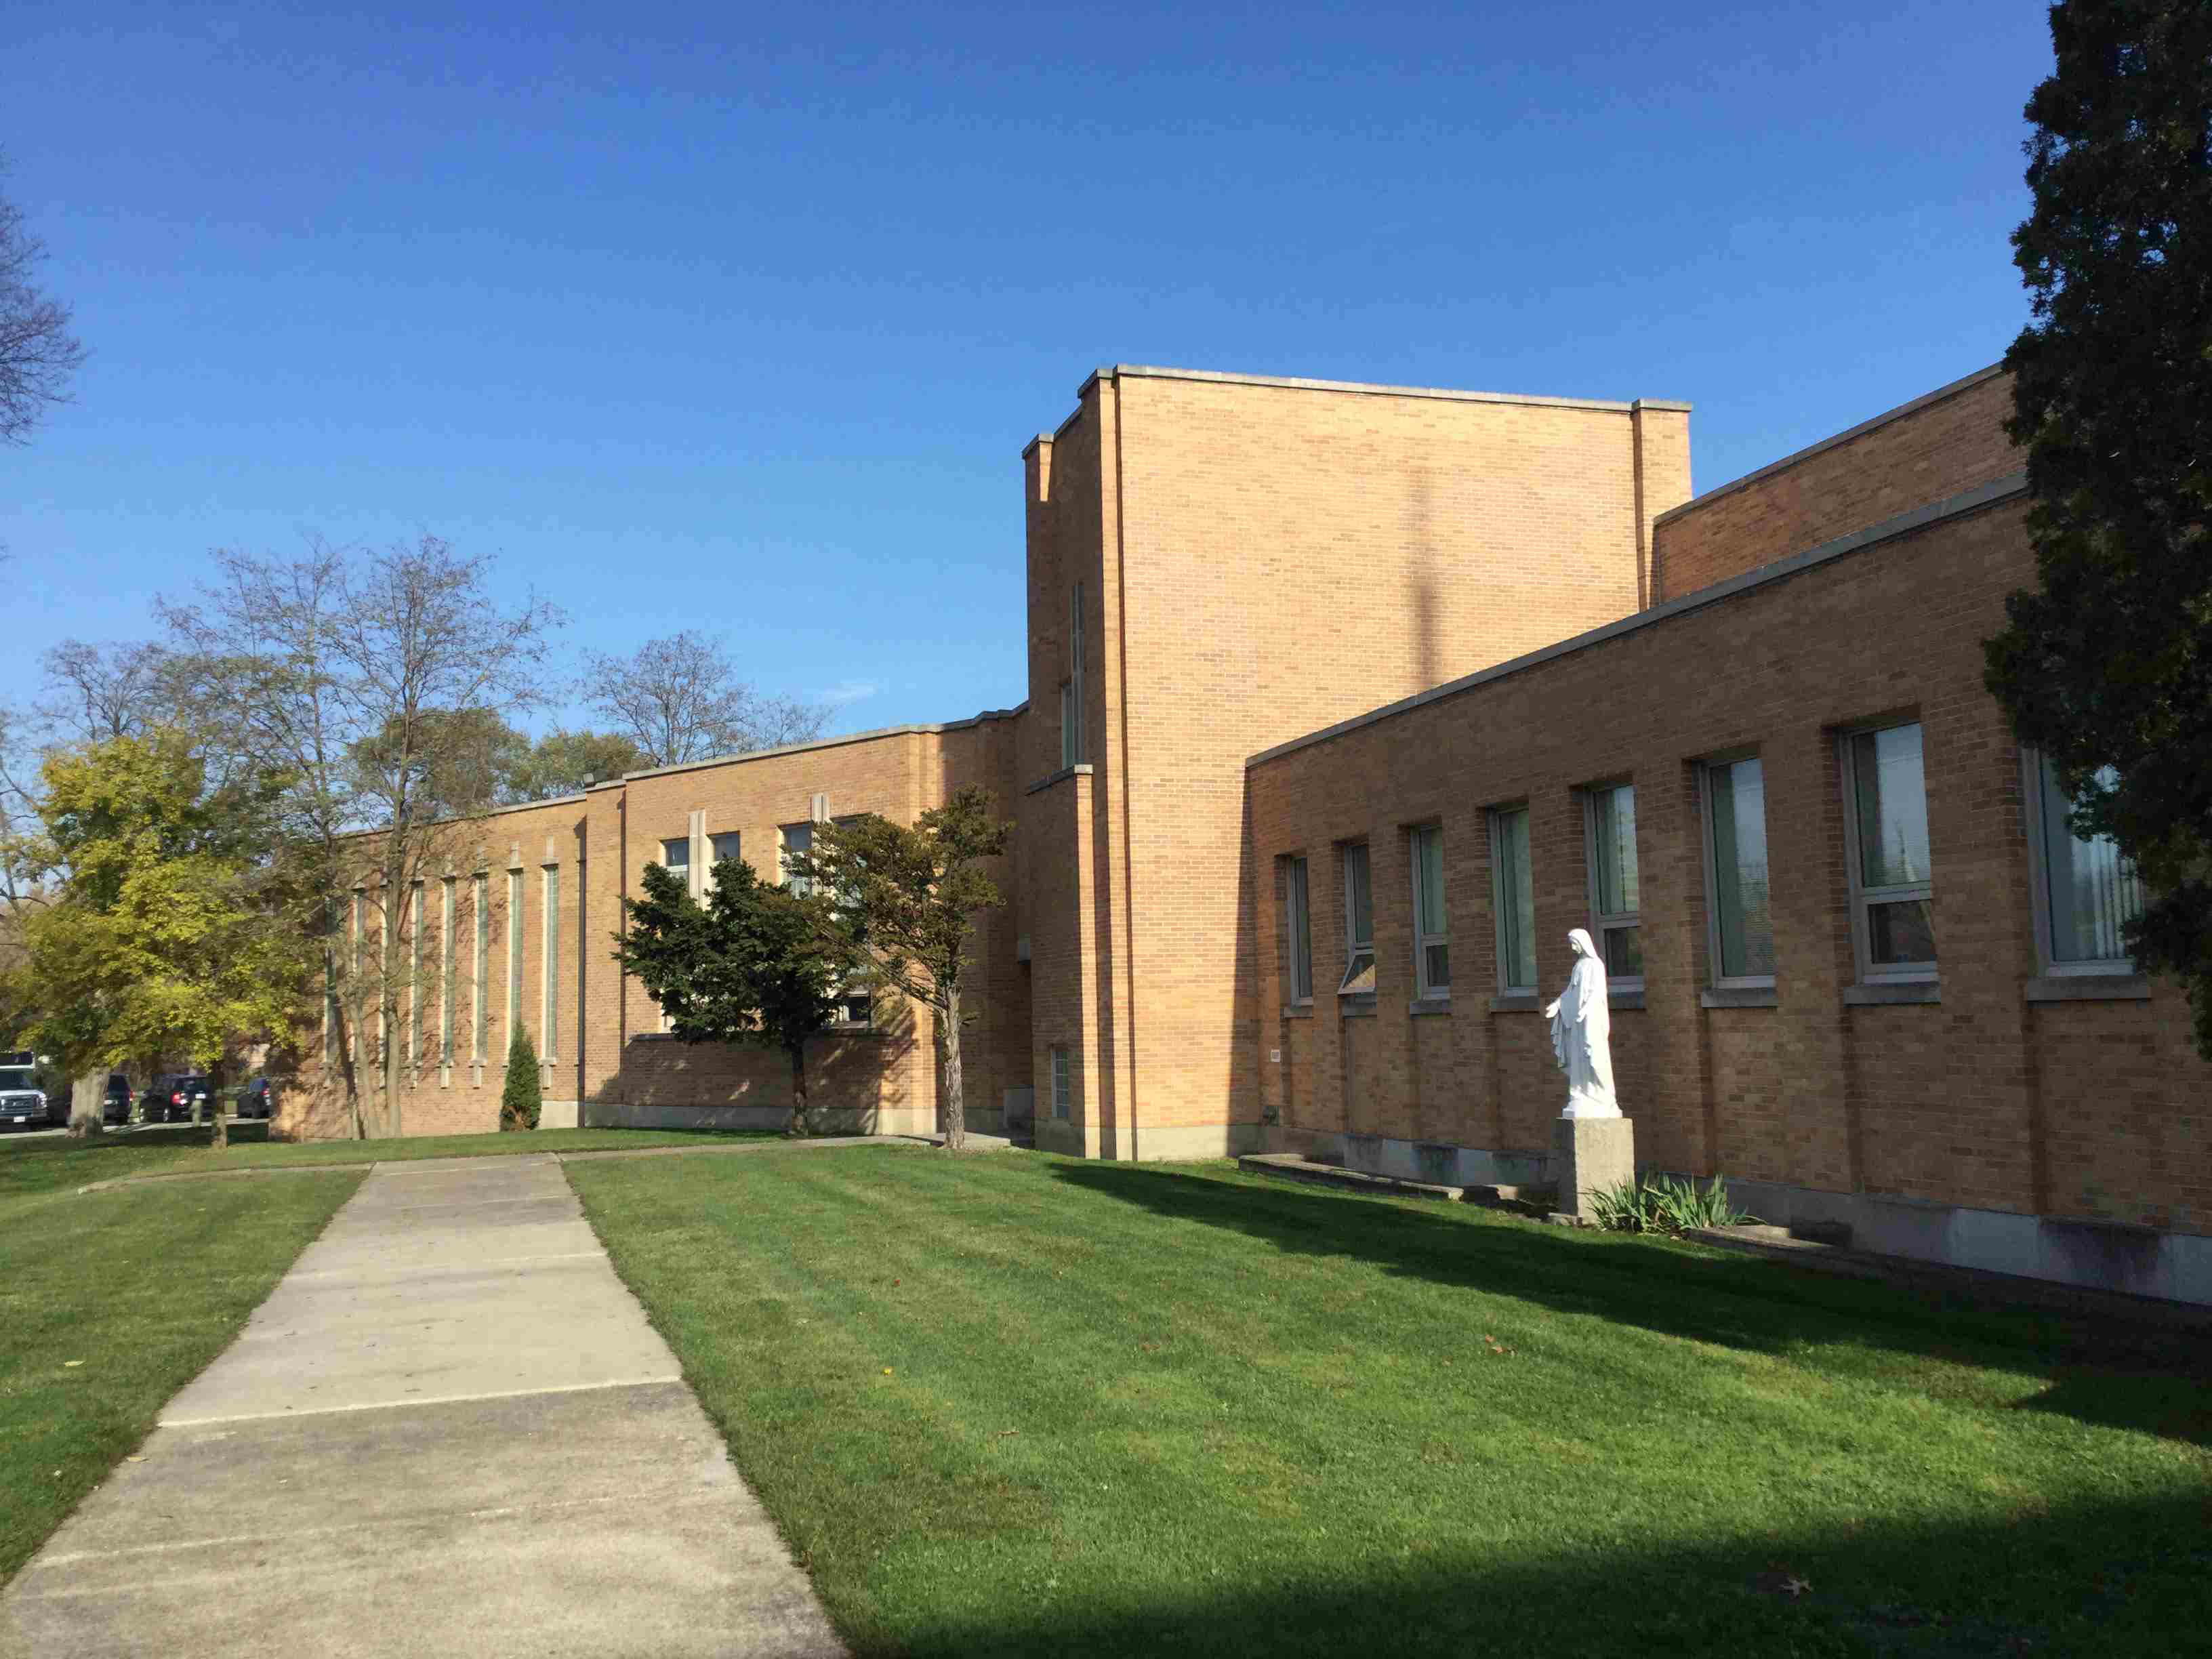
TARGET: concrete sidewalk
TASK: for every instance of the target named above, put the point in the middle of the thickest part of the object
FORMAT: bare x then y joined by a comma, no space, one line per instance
449,1431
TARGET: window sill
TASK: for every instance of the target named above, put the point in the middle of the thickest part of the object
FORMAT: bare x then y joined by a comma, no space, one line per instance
1906,990
1516,1002
2089,987
1359,1006
1738,996
1632,997
1297,1010
1431,1005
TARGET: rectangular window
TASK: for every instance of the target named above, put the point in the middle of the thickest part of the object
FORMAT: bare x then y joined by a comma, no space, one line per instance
548,964
1432,954
1062,1085
514,955
1298,927
676,859
1741,927
797,838
1615,916
2088,893
725,845
476,1024
1513,895
1359,979
445,972
415,975
1072,749
1885,829
857,1006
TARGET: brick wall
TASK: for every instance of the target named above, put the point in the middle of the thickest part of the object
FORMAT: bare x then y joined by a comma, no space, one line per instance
1985,1099
1931,448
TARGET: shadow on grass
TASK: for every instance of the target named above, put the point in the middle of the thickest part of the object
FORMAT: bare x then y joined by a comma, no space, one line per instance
2110,1577
2099,1371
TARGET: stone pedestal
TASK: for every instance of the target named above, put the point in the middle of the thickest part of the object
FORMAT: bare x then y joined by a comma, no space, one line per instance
1590,1154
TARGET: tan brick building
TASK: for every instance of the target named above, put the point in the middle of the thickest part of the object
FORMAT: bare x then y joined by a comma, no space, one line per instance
1345,704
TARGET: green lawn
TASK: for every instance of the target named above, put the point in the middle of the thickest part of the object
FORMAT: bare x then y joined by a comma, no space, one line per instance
109,1303
42,1164
1019,1404
143,1285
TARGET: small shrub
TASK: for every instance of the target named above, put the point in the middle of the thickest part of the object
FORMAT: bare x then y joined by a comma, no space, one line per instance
1665,1204
521,1101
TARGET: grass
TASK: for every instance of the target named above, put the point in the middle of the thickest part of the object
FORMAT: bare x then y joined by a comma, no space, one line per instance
1018,1405
47,1162
109,1303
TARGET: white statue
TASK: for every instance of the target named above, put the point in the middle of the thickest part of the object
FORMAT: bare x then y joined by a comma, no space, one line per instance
1582,1020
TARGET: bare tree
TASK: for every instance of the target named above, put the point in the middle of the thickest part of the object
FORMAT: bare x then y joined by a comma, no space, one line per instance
679,699
364,678
99,691
38,354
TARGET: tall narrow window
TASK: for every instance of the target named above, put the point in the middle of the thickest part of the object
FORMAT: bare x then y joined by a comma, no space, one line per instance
445,972
483,1043
723,845
1062,1088
1359,979
1431,951
1513,895
1743,928
1072,749
549,960
1892,887
797,838
514,955
2089,893
1298,927
1615,917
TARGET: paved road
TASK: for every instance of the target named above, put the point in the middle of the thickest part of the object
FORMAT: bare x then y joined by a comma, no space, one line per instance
449,1431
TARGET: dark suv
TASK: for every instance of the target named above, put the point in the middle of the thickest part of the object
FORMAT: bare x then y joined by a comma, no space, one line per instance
115,1108
177,1099
256,1100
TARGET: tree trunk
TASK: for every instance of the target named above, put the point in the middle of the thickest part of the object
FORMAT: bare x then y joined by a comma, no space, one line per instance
956,1108
800,1123
88,1105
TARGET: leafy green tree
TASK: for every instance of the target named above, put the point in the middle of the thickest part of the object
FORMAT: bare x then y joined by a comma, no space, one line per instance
522,1101
562,763
906,898
756,964
159,941
458,759
2108,663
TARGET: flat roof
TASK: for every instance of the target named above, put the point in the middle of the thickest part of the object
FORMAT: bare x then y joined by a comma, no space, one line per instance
1904,524
1843,437
1295,383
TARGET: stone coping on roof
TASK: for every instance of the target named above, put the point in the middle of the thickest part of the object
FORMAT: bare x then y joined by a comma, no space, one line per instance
1904,524
1964,382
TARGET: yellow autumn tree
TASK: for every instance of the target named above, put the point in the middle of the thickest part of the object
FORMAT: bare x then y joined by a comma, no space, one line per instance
161,939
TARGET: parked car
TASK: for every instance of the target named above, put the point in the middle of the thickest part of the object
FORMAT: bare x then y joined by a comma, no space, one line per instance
177,1099
257,1099
116,1107
23,1103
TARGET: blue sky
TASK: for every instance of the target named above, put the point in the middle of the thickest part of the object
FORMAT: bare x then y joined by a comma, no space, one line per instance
738,318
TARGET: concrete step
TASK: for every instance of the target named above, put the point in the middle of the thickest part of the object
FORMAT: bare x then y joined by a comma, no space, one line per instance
1290,1166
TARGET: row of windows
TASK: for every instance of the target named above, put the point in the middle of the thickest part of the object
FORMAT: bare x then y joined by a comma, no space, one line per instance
413,1049
2086,892
858,1005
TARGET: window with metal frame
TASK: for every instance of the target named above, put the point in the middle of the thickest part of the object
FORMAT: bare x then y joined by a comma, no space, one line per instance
550,967
514,920
1072,749
1616,917
796,838
1432,946
1298,929
2085,893
1513,893
1359,979
1739,922
483,1045
1062,1085
1886,835
676,857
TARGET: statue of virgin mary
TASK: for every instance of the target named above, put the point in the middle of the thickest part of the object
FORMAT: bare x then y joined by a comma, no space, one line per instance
1582,1022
